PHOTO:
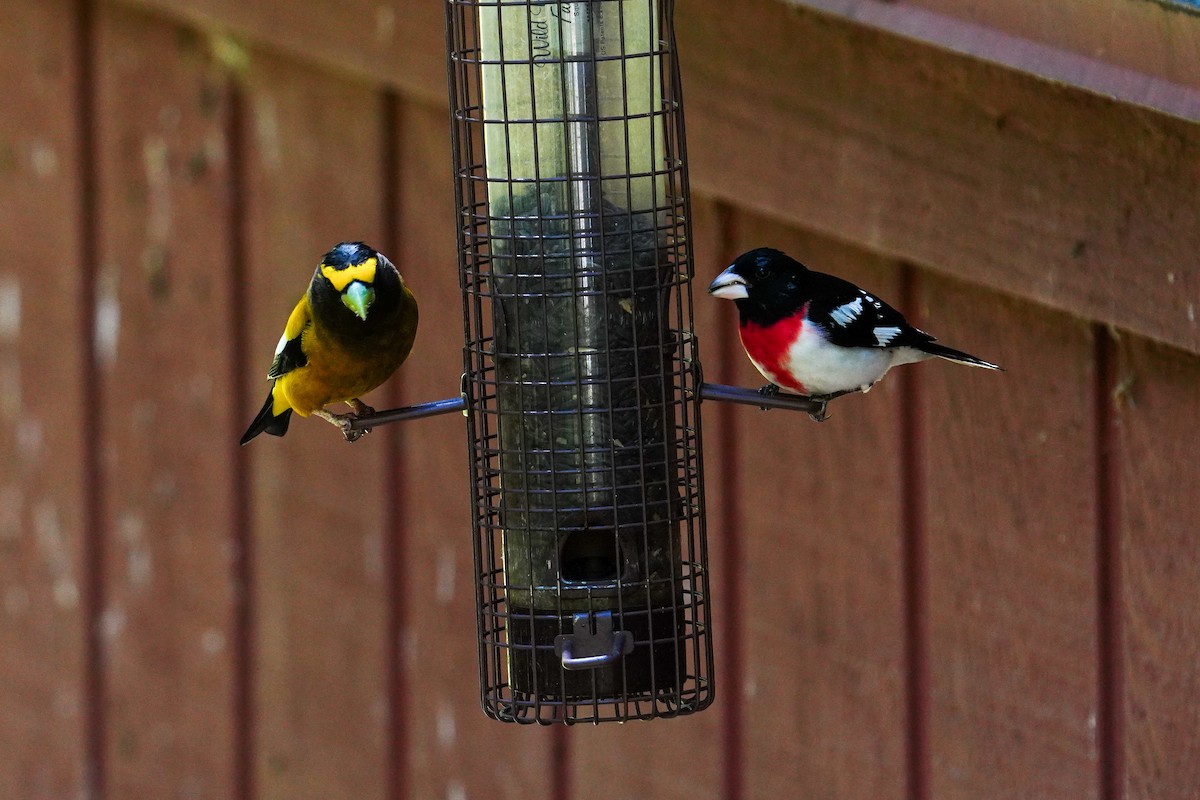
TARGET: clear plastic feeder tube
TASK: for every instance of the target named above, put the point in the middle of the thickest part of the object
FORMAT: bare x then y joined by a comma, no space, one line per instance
574,154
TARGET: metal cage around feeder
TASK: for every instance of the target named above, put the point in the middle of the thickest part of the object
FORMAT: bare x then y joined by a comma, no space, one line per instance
582,379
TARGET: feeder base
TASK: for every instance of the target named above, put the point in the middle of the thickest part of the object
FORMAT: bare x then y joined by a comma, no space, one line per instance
653,668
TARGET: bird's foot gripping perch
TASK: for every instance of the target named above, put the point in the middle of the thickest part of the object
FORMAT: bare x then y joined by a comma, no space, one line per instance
344,421
770,390
818,402
818,414
822,400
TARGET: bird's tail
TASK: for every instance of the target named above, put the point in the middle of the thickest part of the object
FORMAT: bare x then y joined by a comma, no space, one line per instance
268,422
950,354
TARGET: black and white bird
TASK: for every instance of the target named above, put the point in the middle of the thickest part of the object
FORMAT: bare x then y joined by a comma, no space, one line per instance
818,335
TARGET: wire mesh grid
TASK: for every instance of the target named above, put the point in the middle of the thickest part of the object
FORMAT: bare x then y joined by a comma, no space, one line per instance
582,376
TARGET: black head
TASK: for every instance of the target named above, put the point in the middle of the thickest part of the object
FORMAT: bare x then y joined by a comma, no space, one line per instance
766,284
347,254
352,280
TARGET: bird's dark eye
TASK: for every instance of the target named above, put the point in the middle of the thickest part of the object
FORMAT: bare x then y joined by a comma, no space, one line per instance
762,271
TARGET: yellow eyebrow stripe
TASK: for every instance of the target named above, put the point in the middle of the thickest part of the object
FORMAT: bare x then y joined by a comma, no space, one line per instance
341,278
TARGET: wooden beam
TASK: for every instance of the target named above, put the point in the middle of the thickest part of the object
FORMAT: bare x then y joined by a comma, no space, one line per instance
1156,38
1137,52
1044,191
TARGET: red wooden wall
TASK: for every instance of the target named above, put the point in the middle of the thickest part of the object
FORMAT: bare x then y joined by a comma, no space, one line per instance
964,585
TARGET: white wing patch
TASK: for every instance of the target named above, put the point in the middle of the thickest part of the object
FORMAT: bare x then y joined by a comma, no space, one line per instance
282,343
884,335
845,314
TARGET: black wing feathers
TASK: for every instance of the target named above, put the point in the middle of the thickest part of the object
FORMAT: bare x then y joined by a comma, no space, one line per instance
289,358
853,317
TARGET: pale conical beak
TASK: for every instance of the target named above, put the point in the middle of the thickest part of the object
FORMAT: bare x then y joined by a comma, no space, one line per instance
729,285
358,298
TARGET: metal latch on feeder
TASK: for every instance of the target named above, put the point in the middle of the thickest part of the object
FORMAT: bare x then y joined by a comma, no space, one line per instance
594,643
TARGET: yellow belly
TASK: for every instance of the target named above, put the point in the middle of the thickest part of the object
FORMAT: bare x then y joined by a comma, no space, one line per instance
336,374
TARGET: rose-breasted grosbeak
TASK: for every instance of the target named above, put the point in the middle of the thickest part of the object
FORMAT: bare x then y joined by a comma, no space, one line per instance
818,335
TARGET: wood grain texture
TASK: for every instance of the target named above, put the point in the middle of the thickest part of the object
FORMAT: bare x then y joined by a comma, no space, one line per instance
678,759
400,40
1024,47
1158,422
1038,189
314,162
1011,531
454,750
823,687
43,515
1149,37
164,352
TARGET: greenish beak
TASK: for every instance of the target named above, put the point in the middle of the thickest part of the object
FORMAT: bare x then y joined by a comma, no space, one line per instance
358,298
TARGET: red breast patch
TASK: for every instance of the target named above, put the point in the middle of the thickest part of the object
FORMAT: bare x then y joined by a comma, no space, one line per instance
768,346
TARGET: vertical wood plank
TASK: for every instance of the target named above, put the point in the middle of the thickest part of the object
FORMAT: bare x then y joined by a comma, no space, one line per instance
395,544
314,160
823,687
42,401
454,750
726,514
1010,515
163,354
1159,615
678,758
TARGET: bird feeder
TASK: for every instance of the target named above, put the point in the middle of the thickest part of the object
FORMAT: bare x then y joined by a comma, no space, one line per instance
582,379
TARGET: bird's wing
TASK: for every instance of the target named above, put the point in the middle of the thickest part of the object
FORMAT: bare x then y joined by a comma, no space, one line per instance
854,317
289,355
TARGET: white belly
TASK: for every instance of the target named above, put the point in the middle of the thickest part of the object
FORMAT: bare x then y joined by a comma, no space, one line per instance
825,368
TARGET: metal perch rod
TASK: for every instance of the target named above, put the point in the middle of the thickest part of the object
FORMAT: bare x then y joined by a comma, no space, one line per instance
753,397
404,413
708,391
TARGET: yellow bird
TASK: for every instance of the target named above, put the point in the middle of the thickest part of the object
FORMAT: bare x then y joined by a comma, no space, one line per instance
350,331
